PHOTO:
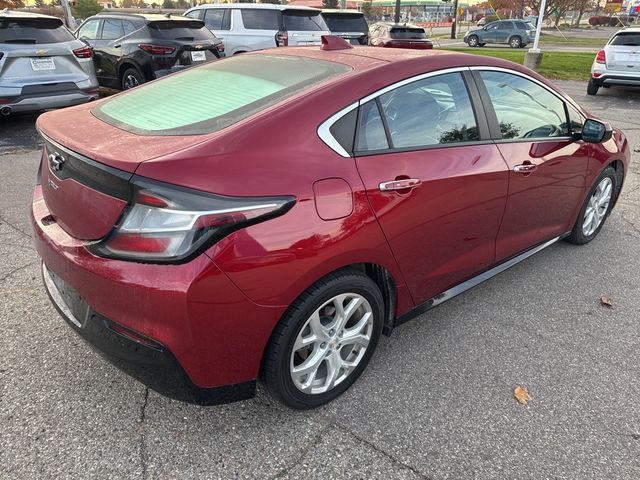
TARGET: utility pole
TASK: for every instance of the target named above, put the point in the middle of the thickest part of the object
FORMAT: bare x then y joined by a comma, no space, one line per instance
71,22
396,17
521,8
533,58
454,18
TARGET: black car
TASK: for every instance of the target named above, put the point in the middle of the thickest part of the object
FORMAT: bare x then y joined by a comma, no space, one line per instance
130,49
348,24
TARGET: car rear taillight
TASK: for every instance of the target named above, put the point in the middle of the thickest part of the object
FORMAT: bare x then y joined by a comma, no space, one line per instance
601,57
157,49
84,52
282,39
220,47
170,224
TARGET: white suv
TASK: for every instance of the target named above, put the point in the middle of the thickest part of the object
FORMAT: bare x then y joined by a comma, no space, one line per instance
244,27
618,63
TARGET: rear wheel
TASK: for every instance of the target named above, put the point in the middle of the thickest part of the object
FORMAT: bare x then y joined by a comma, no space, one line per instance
515,42
596,208
473,41
592,88
131,78
324,341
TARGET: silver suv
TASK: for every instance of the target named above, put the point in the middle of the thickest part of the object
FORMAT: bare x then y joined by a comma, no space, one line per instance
42,65
618,63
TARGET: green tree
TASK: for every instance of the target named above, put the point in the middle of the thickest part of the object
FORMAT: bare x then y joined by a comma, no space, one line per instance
182,4
367,10
86,8
329,3
168,4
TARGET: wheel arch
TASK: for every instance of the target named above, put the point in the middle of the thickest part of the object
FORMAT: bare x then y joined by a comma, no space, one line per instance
128,64
618,166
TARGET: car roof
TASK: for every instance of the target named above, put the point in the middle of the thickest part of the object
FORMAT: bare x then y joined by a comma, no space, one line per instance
264,6
335,10
6,13
151,17
628,29
398,25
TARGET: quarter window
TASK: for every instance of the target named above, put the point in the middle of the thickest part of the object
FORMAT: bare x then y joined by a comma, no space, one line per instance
433,111
524,108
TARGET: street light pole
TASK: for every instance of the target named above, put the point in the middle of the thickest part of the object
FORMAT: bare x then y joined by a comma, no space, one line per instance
396,17
454,19
533,58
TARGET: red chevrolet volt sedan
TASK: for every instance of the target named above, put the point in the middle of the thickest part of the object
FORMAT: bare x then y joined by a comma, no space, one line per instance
271,215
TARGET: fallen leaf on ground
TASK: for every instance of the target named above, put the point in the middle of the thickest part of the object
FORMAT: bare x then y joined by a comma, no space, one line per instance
606,301
522,395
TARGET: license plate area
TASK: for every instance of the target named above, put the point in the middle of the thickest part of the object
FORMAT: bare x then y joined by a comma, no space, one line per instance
39,64
198,56
66,298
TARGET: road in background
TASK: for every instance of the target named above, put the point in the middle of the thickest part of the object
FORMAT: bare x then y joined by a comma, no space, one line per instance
436,401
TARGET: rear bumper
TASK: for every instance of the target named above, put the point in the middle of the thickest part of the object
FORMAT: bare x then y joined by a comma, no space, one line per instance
184,330
602,76
36,103
144,359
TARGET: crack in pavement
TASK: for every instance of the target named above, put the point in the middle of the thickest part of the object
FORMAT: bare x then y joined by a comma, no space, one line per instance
303,453
141,429
629,222
17,269
17,229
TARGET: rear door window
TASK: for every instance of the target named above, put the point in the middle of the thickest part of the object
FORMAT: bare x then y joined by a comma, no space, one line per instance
218,19
433,111
180,30
33,31
112,29
303,21
345,22
211,97
630,39
406,33
254,19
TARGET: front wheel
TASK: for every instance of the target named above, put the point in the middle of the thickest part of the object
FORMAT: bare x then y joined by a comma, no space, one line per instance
325,340
473,41
596,208
515,42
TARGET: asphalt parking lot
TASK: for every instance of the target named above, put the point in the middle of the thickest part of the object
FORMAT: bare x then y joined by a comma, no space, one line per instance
436,401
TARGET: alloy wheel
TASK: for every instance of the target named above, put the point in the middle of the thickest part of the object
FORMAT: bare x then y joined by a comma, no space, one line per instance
130,81
597,207
331,343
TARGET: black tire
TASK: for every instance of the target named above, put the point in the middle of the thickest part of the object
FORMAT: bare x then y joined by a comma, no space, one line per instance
473,41
592,88
515,42
481,44
577,236
276,362
131,78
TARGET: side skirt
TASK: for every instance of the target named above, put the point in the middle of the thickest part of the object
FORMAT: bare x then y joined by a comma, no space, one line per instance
473,282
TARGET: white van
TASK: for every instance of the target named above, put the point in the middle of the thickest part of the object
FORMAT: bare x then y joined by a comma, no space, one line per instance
244,27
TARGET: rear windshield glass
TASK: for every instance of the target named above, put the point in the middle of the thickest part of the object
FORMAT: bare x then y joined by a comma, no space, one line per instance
629,38
33,30
345,22
168,30
209,98
303,21
408,33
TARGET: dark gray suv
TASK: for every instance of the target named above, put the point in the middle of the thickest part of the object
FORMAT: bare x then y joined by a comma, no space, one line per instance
515,33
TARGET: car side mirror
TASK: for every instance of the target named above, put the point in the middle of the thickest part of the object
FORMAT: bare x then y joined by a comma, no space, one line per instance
594,131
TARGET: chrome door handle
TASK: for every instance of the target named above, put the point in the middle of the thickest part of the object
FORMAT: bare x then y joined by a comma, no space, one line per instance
525,168
402,184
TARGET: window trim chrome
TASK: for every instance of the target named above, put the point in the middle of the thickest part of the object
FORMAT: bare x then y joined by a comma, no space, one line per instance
324,130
